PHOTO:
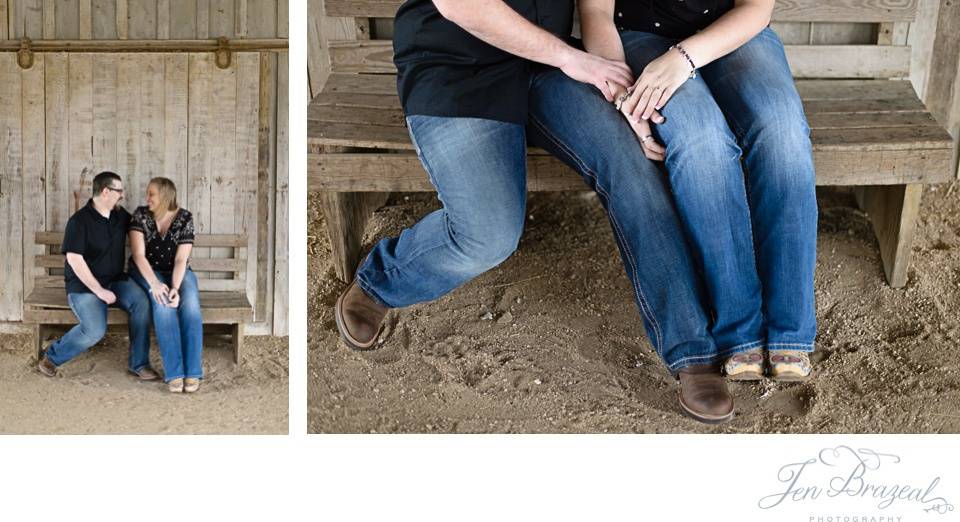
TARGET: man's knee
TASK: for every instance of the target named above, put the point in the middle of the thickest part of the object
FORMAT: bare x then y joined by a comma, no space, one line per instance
490,244
91,332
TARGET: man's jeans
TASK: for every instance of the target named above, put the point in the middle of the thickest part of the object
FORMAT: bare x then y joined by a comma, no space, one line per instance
756,240
179,330
92,314
479,170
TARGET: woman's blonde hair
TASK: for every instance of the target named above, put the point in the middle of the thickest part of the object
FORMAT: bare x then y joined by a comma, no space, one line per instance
168,195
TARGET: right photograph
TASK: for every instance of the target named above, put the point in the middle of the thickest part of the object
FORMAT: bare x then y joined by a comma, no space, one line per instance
658,216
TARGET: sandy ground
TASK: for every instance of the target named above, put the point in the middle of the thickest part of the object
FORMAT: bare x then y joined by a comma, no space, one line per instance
550,341
95,394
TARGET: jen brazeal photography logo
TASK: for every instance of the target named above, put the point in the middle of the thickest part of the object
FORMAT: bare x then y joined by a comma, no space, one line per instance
846,484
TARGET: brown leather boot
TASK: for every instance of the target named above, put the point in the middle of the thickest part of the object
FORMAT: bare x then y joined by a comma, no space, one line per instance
703,393
46,367
358,318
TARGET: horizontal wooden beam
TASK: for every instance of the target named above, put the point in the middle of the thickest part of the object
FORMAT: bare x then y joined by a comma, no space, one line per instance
147,46
806,61
785,10
404,173
201,240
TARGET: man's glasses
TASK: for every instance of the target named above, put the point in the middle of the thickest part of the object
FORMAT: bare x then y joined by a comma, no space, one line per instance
119,191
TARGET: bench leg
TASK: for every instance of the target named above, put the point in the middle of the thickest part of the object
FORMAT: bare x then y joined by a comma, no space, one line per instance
893,210
346,214
38,340
237,342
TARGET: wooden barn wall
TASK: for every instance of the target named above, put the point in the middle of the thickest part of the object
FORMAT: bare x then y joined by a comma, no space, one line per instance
219,134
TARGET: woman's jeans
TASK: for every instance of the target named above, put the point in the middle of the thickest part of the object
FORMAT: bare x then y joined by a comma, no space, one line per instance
92,314
479,170
755,239
179,330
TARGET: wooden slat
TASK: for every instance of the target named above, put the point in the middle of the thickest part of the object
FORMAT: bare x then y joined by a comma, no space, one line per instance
80,174
223,175
806,61
143,19
175,122
104,19
266,164
352,135
245,211
403,172
200,159
57,298
151,119
218,265
183,19
86,19
57,128
281,276
67,19
128,125
785,10
105,113
34,165
201,240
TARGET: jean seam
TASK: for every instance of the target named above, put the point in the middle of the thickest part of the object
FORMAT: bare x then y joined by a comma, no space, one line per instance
683,361
644,306
798,345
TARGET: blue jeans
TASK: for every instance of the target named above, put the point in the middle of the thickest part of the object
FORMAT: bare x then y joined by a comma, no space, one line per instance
91,312
179,330
755,238
479,170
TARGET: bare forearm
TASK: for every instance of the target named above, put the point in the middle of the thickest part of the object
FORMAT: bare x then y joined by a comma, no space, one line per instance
145,269
179,270
499,25
735,28
599,32
83,272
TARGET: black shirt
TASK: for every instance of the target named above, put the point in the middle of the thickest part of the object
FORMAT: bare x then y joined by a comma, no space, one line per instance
677,19
442,70
161,250
101,241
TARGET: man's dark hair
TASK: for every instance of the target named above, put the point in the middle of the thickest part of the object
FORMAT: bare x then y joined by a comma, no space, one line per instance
103,180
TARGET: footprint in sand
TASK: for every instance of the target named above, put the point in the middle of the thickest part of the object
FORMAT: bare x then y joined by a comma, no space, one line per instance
795,401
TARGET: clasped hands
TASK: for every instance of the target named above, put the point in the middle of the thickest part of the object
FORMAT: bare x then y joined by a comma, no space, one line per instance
164,295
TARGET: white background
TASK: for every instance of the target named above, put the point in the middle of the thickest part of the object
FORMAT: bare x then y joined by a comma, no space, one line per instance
449,478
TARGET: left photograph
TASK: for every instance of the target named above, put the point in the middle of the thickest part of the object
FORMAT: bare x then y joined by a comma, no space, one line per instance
143,217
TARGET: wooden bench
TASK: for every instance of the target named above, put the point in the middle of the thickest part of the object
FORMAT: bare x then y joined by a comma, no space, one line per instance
222,300
869,129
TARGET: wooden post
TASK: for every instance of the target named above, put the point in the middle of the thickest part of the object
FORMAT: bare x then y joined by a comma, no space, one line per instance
237,331
38,334
346,214
893,210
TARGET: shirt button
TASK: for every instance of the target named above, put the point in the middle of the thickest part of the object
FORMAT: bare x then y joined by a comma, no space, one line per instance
619,15
656,24
705,11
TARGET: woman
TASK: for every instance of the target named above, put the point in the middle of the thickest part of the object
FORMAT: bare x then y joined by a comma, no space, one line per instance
161,239
720,78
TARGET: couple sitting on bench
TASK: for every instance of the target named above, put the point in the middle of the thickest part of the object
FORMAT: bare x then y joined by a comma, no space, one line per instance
722,267
158,281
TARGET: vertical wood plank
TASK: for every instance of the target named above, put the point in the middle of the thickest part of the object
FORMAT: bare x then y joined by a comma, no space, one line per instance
281,242
104,19
183,19
163,19
5,20
262,18
221,18
943,93
86,19
240,28
320,29
175,122
67,16
283,18
128,126
22,15
105,114
224,181
203,19
143,19
81,172
245,206
34,165
151,119
200,138
49,19
266,175
920,38
123,20
11,188
57,132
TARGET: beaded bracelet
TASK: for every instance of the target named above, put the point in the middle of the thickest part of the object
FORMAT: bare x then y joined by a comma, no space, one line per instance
693,68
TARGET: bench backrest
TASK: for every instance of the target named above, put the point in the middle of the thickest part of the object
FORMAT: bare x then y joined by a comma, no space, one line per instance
883,53
225,272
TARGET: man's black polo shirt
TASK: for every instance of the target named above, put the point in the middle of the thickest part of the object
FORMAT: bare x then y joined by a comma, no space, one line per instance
442,70
100,241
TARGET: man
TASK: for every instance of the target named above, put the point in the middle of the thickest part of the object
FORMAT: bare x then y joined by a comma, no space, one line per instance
94,243
477,80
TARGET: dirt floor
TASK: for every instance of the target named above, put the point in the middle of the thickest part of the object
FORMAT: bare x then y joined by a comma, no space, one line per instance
94,393
550,341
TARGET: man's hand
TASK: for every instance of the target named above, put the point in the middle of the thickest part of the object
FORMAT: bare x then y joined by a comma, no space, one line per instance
106,296
603,74
651,149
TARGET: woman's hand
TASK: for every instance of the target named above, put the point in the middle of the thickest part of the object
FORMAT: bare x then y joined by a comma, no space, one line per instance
160,293
656,84
601,73
651,149
174,298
